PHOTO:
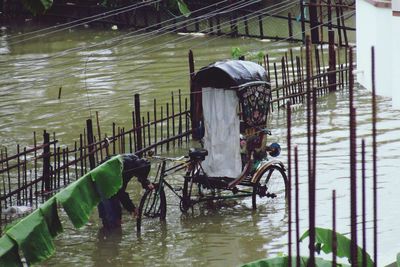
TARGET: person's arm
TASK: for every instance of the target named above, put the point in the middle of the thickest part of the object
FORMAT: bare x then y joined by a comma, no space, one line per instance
124,198
144,181
142,172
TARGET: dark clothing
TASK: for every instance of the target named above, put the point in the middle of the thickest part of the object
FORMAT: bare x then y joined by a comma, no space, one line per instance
110,210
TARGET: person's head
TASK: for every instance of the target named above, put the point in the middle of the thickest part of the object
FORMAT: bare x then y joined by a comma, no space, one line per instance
135,166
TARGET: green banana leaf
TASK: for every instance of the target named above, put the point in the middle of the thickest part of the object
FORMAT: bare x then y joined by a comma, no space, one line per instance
323,239
9,252
79,199
33,237
34,234
108,176
183,8
49,211
398,259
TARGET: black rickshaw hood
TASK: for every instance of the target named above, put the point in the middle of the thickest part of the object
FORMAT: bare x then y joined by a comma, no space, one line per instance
230,74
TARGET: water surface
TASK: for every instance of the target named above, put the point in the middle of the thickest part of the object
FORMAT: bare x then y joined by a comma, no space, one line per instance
104,78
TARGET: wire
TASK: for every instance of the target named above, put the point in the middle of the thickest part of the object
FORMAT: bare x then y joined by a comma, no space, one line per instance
63,73
144,66
119,38
156,47
193,37
86,21
115,100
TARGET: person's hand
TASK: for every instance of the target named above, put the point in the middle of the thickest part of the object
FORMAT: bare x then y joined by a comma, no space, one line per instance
150,186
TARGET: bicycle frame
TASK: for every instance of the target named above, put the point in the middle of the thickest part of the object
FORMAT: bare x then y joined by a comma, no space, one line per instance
194,175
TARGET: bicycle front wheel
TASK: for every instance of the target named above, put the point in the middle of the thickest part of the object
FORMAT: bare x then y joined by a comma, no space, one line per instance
152,206
272,187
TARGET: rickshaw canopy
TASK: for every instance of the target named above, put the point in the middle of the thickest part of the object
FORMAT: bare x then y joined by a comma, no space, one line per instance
232,91
230,74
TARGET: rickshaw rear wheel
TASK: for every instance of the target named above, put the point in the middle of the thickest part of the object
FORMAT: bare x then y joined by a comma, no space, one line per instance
272,184
152,205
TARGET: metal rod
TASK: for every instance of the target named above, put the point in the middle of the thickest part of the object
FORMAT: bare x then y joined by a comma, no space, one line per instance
186,119
311,202
155,119
167,126
143,129
290,29
338,25
139,141
46,162
18,177
246,25
303,26
99,134
89,126
81,153
113,138
353,166
289,137
332,61
334,237
148,128
134,131
260,23
173,115
296,166
364,204
346,41
314,22
162,126
180,116
276,82
374,159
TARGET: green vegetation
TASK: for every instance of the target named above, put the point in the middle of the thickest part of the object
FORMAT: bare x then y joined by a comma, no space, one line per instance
183,8
324,242
34,234
237,52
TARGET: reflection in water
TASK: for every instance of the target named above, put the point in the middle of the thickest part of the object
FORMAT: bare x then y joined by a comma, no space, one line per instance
108,246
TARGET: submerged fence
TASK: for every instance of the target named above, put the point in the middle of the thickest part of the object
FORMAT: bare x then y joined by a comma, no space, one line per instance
355,250
34,173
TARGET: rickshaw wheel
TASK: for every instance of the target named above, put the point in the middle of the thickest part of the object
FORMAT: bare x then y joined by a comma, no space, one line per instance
152,205
273,185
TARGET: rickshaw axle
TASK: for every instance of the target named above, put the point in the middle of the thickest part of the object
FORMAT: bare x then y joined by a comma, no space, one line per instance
262,192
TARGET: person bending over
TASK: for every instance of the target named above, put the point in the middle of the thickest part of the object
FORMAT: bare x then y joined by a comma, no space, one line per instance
110,210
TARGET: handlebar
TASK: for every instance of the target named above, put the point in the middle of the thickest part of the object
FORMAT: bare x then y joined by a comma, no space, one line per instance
264,130
176,159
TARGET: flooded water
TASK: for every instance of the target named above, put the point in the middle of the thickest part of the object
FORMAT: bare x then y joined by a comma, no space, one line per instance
105,78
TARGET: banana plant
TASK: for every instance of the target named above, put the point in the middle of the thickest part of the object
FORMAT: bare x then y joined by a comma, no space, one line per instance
324,242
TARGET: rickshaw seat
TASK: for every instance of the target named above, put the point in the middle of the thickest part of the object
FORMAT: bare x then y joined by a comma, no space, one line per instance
198,153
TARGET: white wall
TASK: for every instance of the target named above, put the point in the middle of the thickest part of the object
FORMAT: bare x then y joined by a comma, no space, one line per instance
396,55
366,37
379,28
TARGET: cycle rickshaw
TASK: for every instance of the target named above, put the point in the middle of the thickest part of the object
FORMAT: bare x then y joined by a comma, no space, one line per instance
234,159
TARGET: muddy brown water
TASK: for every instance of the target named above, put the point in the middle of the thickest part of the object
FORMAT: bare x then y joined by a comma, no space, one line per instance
105,79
